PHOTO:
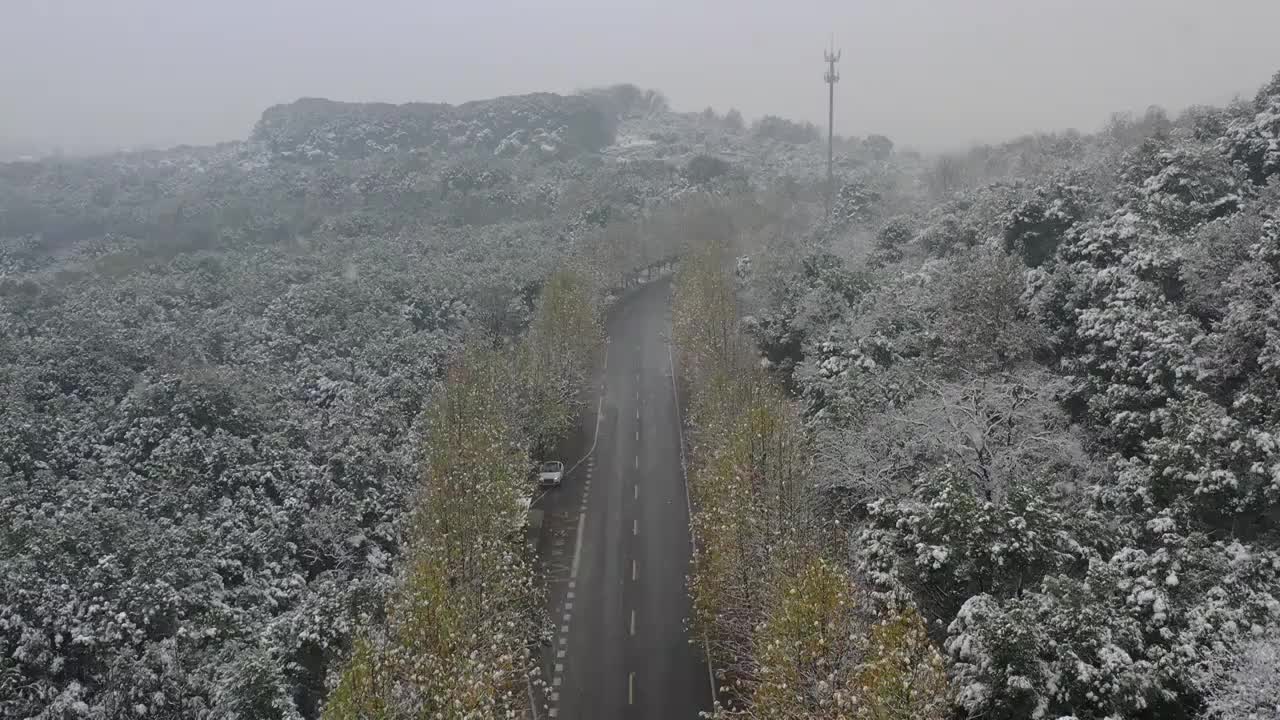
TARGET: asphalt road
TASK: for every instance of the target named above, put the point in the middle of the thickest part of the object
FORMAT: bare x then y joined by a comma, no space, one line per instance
615,541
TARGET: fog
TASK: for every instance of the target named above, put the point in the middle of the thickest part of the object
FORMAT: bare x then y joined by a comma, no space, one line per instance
88,75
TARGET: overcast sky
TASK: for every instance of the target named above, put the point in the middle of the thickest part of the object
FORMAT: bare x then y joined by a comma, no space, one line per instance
930,73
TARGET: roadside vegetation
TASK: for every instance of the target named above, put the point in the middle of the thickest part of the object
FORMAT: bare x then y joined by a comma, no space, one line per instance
218,366
458,630
789,630
999,438
1039,384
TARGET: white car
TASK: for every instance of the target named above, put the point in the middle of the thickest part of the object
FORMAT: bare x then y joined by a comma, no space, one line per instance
550,473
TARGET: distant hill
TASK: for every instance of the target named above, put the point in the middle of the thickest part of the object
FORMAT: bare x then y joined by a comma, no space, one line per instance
545,124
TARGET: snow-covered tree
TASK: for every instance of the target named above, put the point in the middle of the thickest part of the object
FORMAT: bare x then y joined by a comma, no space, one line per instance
1246,683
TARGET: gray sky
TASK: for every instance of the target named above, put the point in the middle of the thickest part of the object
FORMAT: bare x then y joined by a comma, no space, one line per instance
933,73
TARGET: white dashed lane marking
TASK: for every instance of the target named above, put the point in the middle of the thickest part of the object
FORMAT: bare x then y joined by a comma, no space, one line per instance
553,697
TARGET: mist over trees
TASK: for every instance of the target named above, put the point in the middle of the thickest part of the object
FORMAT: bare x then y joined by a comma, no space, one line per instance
998,438
218,365
1039,384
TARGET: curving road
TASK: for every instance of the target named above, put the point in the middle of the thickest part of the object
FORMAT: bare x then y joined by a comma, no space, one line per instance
615,541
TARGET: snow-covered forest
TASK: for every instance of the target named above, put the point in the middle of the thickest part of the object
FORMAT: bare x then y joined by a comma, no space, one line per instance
216,365
997,439
1041,381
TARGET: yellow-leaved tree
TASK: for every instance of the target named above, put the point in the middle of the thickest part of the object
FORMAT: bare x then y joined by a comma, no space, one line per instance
808,648
789,633
901,676
556,358
455,639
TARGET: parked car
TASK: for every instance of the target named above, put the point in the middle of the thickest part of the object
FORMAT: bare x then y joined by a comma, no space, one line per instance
550,473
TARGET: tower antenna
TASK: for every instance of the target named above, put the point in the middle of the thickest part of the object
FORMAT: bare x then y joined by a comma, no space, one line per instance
831,57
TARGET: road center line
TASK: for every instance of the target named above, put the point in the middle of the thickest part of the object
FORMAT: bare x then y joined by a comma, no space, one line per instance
633,570
637,462
631,689
635,527
637,491
633,623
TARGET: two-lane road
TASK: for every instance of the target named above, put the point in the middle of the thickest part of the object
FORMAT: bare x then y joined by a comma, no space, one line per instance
622,645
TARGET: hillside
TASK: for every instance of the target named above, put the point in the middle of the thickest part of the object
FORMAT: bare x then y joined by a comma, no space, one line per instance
548,125
998,438
1040,384
216,364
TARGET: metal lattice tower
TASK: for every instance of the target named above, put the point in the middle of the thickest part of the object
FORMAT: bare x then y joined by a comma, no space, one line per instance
831,57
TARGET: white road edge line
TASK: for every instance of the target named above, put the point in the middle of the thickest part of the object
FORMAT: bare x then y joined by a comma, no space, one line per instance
596,437
684,473
582,515
577,547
